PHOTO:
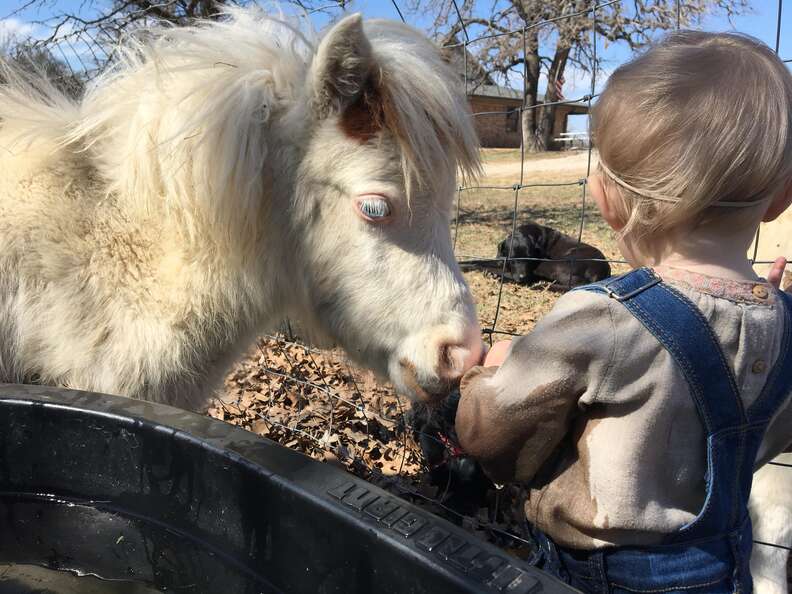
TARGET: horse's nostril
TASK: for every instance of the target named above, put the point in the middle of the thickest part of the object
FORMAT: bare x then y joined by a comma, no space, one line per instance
456,359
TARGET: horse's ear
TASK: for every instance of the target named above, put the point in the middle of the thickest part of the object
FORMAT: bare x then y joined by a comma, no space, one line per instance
341,67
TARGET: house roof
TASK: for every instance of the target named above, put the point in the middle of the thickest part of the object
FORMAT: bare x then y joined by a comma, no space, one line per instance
479,82
502,92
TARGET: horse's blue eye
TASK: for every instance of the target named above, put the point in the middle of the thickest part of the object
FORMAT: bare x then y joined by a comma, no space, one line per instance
375,208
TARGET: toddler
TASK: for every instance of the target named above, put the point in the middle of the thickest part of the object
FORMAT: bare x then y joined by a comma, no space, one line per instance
638,408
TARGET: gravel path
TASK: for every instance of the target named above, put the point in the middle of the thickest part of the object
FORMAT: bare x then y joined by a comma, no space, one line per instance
575,164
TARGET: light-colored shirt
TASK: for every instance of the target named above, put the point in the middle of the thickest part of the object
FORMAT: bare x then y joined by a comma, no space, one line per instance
594,413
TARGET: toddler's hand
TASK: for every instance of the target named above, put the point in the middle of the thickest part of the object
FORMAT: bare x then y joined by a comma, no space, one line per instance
776,273
497,354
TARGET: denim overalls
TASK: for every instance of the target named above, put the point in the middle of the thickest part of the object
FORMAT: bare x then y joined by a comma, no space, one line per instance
712,553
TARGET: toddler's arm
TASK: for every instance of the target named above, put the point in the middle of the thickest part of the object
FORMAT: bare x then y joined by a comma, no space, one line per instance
512,418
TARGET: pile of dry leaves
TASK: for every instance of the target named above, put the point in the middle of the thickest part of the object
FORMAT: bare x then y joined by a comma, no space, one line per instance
316,402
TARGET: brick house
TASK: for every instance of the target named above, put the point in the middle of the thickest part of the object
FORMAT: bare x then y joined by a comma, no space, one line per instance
498,124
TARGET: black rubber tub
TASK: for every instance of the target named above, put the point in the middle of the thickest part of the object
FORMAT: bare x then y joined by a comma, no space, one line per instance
105,494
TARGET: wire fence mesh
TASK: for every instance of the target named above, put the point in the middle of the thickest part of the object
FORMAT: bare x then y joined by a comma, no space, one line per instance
519,184
315,400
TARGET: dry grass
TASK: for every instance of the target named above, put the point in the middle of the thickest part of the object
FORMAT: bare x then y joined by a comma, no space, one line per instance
485,218
490,155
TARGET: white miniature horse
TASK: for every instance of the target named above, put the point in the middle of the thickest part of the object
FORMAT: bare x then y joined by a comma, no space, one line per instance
771,514
221,178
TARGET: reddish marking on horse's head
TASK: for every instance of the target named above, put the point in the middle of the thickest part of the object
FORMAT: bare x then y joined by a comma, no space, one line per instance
365,117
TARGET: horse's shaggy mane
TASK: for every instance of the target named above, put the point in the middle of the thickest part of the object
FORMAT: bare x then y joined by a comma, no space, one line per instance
183,118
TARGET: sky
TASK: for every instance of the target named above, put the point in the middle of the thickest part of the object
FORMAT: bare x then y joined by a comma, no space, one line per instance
759,21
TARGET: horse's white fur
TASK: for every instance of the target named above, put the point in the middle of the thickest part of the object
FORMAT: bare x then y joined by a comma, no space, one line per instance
203,190
771,515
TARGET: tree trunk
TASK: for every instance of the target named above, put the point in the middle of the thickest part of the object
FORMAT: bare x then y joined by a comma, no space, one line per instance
544,128
530,96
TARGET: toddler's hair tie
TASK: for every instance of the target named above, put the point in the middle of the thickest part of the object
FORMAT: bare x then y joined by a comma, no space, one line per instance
663,198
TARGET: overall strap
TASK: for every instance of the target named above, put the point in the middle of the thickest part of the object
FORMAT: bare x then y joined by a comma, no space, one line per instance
682,330
733,435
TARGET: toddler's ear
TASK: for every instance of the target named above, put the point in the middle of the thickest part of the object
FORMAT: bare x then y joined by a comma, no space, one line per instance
599,191
779,204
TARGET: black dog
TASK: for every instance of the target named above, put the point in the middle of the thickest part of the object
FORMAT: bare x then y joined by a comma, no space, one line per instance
570,264
461,483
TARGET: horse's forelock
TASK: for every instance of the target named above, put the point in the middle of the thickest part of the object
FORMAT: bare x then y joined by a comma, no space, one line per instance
422,105
413,94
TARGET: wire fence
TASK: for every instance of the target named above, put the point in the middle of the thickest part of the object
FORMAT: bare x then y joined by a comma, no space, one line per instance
315,401
519,184
505,261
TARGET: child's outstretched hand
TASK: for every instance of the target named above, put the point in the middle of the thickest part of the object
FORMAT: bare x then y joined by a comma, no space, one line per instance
497,354
777,272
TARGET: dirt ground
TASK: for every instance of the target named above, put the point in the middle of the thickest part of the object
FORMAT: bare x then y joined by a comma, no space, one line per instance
551,195
505,163
316,402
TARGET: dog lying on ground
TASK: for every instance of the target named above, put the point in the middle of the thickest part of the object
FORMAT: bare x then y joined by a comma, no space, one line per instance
552,256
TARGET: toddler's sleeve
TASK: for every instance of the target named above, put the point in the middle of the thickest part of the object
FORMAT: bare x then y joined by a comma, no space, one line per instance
512,418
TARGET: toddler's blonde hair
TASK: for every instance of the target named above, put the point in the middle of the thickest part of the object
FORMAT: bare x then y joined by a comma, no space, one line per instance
699,123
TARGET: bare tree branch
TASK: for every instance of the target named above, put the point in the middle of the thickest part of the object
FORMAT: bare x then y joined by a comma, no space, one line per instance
508,41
